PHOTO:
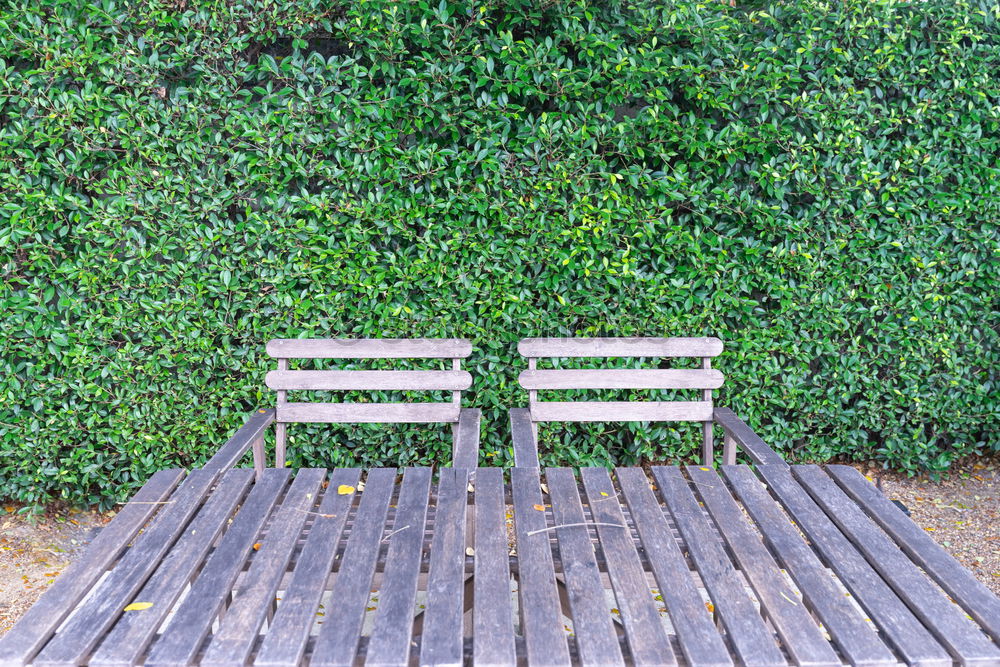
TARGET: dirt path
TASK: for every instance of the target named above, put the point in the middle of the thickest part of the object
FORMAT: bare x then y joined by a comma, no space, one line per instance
962,513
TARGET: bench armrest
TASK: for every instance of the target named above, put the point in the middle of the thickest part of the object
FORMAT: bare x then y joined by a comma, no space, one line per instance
739,434
465,437
250,434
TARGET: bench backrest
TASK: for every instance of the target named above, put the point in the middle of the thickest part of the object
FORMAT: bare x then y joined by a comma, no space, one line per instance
284,380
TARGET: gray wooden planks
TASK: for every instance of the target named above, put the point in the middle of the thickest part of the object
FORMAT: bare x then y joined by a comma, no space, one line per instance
465,439
620,411
442,632
959,583
850,632
391,633
250,433
621,378
374,380
523,437
798,631
382,348
288,632
948,622
906,634
23,641
751,443
751,638
128,638
620,347
541,616
595,633
368,413
81,633
699,640
337,642
193,618
492,615
647,640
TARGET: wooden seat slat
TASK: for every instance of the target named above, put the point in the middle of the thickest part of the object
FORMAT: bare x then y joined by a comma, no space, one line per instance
620,411
901,628
541,616
381,348
84,630
441,642
592,625
30,633
128,639
957,581
850,632
647,640
946,621
700,642
193,618
798,631
620,378
751,639
285,641
368,413
393,628
620,347
493,621
337,642
369,380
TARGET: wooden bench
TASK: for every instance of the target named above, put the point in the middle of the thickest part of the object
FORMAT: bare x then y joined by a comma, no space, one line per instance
524,421
464,421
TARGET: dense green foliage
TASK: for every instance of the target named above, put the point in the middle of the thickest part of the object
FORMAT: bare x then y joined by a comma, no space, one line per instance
815,182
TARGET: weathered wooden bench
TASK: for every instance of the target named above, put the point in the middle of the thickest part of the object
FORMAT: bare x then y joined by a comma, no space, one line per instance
769,565
524,421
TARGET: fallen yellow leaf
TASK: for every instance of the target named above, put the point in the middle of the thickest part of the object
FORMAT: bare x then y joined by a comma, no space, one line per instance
345,489
256,546
540,508
138,606
705,469
604,494
710,607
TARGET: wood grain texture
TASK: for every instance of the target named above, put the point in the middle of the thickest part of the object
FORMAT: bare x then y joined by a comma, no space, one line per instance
382,348
523,437
595,633
621,378
368,413
390,641
441,643
957,581
700,642
620,411
84,629
900,627
620,347
647,640
285,641
492,616
850,632
370,380
132,633
794,624
465,439
751,638
944,619
36,626
209,592
751,443
248,434
541,615
337,642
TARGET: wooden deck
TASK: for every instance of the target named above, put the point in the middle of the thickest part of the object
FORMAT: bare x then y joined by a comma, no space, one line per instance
687,565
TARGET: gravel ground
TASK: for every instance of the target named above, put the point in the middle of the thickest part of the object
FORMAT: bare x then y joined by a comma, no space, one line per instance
961,512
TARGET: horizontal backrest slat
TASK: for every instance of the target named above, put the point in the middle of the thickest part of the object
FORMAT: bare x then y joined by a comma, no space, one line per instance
620,347
621,378
621,411
369,380
382,348
367,413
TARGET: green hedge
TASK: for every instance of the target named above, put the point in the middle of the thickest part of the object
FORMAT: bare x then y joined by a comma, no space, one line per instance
815,182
